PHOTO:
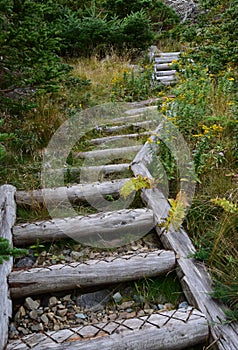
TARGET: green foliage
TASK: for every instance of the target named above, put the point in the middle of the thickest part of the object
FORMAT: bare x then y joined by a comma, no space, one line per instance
135,184
6,251
133,85
213,36
3,138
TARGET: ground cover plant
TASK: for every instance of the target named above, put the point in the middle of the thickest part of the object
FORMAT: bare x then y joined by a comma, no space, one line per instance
59,57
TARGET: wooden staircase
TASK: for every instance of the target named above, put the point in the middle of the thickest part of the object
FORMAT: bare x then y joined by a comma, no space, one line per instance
166,329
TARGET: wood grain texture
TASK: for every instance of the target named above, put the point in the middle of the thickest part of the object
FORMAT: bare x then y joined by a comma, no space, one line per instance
74,194
7,220
105,271
112,225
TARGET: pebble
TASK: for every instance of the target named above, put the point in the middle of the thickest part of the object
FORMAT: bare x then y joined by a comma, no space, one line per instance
183,305
28,261
53,301
33,314
169,306
44,319
76,255
81,316
126,304
62,312
31,304
161,306
117,297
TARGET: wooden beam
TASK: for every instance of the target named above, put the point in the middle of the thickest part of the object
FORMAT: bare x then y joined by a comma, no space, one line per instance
111,225
101,140
90,273
74,194
7,220
196,282
167,330
123,152
136,125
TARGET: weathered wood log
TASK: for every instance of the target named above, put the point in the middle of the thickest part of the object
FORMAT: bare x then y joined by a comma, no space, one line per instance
165,59
7,220
162,54
90,273
166,79
74,194
194,277
162,73
115,224
162,66
168,330
141,110
101,140
110,153
147,124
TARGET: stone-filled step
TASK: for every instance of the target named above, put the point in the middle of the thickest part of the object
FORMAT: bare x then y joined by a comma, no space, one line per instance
165,330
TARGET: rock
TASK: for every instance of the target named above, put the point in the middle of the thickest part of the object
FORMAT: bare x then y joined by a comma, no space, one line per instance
81,316
23,330
28,261
154,307
67,298
117,297
31,304
93,301
183,305
129,310
148,311
22,311
76,255
66,251
141,313
62,312
169,306
37,327
33,314
161,306
52,301
126,304
56,327
44,319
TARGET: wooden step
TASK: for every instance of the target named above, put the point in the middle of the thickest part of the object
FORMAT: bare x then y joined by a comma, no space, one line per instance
166,79
74,194
162,54
123,152
102,140
162,66
111,225
162,73
165,59
90,273
167,330
74,172
147,124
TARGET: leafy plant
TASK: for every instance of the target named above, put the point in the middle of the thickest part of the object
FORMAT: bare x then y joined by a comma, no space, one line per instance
6,251
136,184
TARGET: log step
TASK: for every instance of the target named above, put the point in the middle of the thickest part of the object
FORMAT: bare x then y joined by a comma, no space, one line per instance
167,330
162,73
136,125
90,273
74,172
123,152
74,194
101,140
109,226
